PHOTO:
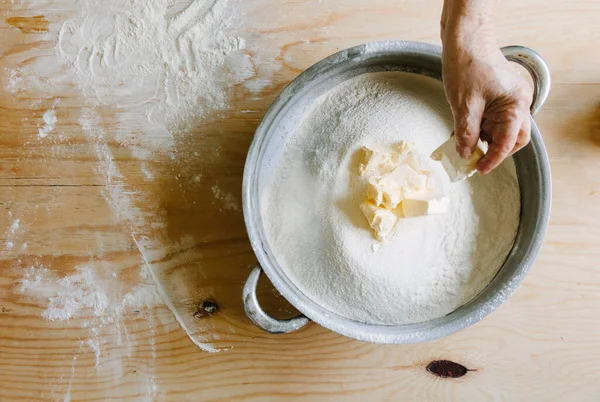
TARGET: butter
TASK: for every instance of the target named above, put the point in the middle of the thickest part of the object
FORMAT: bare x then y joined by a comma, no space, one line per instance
382,221
374,163
390,189
459,168
427,205
396,189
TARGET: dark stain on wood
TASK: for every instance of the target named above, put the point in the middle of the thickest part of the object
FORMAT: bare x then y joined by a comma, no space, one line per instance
35,24
447,369
206,308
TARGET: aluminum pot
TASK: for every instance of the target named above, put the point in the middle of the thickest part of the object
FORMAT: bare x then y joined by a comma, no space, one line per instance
280,121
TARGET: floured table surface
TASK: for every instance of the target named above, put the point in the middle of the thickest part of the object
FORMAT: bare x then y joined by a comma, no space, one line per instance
124,128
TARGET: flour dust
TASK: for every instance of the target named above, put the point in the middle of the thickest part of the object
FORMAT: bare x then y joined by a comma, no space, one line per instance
95,298
157,68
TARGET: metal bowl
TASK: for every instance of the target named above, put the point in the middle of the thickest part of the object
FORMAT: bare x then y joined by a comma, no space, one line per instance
281,120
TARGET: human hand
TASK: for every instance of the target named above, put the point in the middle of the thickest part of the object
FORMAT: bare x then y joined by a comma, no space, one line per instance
489,99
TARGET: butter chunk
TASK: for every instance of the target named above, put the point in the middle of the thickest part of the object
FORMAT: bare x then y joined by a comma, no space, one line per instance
404,176
459,168
397,188
375,194
382,221
374,163
390,189
427,205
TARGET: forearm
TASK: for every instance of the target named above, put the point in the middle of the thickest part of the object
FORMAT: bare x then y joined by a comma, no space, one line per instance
468,24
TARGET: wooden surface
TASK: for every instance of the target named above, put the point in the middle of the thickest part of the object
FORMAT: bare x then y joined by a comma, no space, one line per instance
542,344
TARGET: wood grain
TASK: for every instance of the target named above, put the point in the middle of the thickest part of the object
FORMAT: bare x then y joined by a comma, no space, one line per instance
35,24
540,345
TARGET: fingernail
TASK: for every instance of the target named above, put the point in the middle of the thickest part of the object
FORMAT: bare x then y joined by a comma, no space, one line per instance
465,152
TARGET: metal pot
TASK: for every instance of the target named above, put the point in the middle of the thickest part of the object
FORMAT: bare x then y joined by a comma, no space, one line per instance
281,119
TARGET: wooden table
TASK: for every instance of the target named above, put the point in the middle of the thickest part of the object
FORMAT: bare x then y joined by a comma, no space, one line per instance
542,344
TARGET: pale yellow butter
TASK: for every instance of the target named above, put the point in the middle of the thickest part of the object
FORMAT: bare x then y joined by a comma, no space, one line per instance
382,221
374,163
389,190
459,168
427,205
395,178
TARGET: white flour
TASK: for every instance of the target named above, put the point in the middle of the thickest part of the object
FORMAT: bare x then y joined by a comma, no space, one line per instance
10,234
101,303
150,71
162,65
171,60
49,119
92,288
433,264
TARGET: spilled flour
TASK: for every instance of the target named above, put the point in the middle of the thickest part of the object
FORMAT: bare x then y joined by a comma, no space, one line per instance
49,119
149,72
91,288
172,61
10,234
98,301
162,65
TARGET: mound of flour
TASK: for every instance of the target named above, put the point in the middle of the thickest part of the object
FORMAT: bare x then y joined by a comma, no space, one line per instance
432,264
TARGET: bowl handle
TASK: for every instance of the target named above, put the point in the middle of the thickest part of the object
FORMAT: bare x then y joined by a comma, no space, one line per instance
257,315
535,64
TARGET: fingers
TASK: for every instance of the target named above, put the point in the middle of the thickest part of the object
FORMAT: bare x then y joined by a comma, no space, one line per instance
467,126
524,135
504,141
487,128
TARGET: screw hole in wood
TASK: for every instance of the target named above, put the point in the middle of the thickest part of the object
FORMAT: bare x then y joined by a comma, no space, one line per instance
206,308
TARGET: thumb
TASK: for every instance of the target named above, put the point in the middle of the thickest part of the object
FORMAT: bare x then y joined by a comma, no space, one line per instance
467,126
